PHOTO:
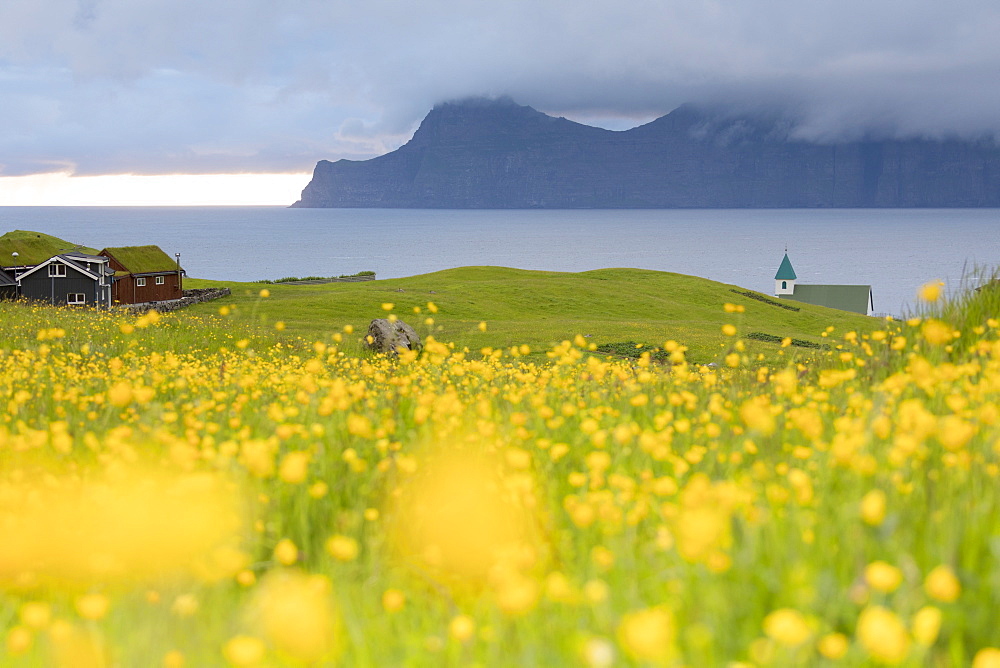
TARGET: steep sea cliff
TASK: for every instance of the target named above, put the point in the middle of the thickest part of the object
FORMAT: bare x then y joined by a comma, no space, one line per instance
495,154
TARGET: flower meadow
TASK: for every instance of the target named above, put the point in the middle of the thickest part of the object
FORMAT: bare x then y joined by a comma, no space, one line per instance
176,494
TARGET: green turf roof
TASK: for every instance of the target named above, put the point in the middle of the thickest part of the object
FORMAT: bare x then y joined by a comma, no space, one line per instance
33,248
853,298
785,271
143,259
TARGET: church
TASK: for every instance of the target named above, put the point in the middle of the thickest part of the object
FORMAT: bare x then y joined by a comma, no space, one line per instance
854,298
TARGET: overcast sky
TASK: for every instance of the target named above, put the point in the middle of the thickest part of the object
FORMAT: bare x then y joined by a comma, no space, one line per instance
202,86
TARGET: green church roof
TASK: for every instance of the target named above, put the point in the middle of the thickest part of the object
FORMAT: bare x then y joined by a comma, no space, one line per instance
853,298
785,271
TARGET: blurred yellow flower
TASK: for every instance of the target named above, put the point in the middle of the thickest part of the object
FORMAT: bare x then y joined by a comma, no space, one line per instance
286,552
833,645
926,625
931,292
883,635
873,506
462,628
942,585
244,650
883,577
936,332
92,606
393,600
788,627
294,467
648,635
988,657
294,611
342,548
19,640
36,614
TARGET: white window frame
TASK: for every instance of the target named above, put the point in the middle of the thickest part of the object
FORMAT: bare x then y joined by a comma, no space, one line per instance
57,270
140,282
76,298
159,280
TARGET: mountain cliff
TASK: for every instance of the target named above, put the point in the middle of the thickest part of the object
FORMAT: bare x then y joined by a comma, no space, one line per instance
495,154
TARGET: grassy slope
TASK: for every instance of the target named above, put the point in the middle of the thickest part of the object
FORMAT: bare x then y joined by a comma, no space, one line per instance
33,247
539,308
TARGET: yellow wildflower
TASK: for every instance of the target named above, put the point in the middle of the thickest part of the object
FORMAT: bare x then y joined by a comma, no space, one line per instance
883,635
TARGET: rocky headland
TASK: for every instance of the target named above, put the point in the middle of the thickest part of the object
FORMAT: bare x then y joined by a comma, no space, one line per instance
495,154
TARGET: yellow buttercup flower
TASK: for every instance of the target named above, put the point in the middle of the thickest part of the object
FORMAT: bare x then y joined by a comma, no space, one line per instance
286,552
873,506
648,635
883,577
833,645
931,292
788,627
462,628
342,548
393,600
883,635
926,625
988,657
244,650
942,585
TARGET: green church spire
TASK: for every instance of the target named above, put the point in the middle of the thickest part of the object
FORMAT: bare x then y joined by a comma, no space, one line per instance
785,271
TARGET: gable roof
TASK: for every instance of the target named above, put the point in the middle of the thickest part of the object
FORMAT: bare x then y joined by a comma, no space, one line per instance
142,259
785,271
33,248
61,259
6,280
853,298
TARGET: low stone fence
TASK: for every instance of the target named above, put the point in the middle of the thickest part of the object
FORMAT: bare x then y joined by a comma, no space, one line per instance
323,281
190,297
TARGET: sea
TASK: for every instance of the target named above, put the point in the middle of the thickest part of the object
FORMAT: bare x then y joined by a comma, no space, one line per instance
893,250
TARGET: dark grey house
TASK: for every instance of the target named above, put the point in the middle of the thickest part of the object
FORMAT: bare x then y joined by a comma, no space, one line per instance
73,279
8,286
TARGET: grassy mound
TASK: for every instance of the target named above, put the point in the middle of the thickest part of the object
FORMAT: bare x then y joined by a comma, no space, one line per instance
540,309
33,248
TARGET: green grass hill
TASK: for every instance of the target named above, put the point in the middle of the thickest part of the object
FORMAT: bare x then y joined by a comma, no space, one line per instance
542,308
33,248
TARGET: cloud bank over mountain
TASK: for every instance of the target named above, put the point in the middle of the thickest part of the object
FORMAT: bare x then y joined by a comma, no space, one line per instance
187,86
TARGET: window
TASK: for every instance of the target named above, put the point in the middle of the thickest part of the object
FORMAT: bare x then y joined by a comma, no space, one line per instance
784,285
141,282
76,298
159,280
56,269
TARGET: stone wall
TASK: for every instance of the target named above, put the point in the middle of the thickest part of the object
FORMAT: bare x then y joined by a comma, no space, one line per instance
190,297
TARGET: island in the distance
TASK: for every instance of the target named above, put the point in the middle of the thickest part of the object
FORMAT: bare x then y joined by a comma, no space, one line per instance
495,154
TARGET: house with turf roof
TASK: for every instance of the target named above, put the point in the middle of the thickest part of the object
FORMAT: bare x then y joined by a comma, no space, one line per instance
41,267
854,298
144,274
68,279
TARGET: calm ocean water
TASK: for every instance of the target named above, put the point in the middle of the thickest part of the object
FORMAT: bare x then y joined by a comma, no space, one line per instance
894,250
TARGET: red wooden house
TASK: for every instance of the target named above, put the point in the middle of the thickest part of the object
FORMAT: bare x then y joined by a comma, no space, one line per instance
143,274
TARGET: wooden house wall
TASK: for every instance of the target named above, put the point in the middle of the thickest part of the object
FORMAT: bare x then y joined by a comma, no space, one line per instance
127,291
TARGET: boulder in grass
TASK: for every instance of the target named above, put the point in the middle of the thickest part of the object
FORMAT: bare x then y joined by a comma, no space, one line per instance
386,336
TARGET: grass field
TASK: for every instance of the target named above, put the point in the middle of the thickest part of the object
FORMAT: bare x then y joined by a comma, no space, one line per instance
538,309
205,488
